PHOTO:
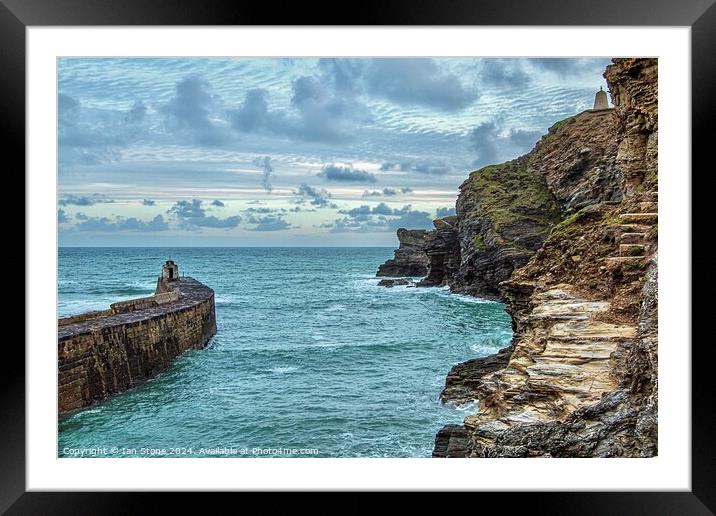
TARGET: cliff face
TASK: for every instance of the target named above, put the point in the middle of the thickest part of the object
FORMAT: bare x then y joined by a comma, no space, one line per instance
410,258
580,379
105,353
505,212
443,252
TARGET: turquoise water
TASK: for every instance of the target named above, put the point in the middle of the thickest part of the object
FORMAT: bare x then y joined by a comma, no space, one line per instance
310,356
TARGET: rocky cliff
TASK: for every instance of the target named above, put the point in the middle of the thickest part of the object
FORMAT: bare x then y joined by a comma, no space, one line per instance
566,236
410,258
443,252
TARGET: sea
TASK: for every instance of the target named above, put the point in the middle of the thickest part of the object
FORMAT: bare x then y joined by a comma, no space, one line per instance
311,358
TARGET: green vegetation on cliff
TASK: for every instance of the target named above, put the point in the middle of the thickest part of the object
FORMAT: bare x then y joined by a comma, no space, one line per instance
510,194
479,242
567,226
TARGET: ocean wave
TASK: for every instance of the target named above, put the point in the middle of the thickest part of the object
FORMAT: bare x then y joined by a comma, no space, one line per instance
470,406
283,369
491,345
443,292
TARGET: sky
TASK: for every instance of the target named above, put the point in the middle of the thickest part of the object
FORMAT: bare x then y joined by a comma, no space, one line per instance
291,152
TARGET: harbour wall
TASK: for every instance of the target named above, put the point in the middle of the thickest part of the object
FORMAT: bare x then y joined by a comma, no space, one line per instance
107,352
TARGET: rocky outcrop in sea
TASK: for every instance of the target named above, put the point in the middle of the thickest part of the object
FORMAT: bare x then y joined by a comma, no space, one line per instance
567,237
443,251
410,258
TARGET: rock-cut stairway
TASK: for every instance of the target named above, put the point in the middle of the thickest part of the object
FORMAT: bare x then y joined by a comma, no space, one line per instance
634,230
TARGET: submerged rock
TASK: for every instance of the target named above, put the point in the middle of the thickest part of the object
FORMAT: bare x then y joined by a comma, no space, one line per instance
395,282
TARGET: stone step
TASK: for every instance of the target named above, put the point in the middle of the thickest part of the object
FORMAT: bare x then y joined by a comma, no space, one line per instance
631,250
634,228
627,266
625,263
640,218
632,238
648,207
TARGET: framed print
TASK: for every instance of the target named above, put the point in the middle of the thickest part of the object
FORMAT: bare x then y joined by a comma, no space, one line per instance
415,250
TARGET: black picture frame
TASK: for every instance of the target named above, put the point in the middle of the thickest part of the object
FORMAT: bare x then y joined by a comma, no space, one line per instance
700,15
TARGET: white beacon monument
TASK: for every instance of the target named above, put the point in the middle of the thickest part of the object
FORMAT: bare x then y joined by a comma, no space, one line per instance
600,100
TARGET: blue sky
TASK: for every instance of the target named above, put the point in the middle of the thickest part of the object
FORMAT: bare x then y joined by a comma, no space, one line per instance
293,152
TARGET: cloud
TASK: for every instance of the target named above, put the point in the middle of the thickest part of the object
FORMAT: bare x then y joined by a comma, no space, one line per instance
387,192
217,203
318,113
406,189
504,73
137,113
412,219
83,200
269,223
374,193
148,202
191,215
571,67
493,145
445,212
380,217
325,115
156,224
83,141
192,111
253,115
344,75
484,140
68,108
417,82
264,164
346,174
420,166
107,225
318,196
62,216
265,210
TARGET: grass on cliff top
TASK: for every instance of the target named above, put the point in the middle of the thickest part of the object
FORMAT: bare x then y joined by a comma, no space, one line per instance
509,193
552,134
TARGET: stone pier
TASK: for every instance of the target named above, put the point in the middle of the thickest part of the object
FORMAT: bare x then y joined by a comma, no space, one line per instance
107,352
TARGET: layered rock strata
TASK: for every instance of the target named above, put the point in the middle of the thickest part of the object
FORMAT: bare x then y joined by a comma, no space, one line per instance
443,252
410,258
581,379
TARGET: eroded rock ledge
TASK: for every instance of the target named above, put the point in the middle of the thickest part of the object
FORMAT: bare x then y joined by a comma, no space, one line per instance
410,258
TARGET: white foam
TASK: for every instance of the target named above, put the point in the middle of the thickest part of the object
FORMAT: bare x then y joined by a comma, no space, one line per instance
283,369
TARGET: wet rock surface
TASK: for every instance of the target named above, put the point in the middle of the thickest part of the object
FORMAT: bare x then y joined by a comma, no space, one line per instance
465,379
396,282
